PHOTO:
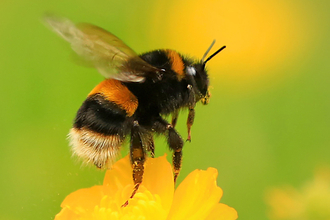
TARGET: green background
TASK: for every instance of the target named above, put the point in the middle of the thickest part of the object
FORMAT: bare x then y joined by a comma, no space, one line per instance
256,138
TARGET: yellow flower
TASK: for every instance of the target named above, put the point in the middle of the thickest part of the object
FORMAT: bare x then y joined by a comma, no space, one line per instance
310,202
197,197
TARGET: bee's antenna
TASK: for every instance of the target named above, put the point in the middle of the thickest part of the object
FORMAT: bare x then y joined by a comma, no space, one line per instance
207,51
215,53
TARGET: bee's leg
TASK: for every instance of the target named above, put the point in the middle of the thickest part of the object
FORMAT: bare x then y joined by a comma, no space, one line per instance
191,114
190,121
151,145
137,155
174,141
175,118
177,160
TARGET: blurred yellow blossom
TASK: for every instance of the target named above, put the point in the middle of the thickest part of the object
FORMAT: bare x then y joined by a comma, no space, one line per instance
197,197
310,202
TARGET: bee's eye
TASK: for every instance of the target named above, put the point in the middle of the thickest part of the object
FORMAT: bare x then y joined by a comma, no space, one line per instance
191,71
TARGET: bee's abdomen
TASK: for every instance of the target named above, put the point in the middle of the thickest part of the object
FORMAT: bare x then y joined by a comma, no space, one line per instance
102,123
115,92
100,115
95,148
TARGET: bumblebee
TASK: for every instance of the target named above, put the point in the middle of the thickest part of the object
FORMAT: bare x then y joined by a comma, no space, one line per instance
131,102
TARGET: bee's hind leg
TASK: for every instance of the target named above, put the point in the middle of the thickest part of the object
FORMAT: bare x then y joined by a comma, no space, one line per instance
138,156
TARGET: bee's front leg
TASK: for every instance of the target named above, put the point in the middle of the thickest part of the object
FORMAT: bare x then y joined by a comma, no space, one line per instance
191,114
190,121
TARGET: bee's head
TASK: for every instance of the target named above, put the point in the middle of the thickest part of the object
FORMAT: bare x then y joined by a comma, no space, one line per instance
199,73
201,81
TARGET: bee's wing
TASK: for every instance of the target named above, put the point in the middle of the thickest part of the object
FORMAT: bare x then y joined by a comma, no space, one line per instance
107,53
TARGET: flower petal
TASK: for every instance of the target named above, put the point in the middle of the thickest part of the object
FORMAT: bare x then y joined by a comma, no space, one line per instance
118,181
84,198
119,175
222,212
196,196
66,214
158,179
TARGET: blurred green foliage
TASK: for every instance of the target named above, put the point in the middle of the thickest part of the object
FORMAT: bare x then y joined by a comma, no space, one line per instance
273,134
